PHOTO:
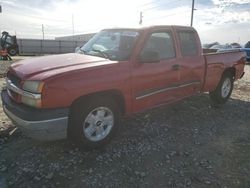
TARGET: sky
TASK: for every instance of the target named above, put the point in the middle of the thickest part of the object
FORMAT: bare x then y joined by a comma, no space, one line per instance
225,21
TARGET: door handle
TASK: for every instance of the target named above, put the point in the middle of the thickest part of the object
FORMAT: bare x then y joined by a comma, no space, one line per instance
176,67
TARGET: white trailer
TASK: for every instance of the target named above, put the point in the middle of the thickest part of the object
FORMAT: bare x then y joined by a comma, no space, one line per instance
39,47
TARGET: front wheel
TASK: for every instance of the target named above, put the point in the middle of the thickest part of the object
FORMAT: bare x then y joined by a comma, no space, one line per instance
94,122
12,51
224,89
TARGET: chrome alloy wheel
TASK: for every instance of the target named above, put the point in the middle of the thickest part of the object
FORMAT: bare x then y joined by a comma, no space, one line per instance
226,87
98,124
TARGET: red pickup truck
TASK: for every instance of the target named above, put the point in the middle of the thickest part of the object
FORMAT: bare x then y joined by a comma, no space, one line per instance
82,95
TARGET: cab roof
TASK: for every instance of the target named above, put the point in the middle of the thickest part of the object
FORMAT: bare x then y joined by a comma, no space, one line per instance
152,27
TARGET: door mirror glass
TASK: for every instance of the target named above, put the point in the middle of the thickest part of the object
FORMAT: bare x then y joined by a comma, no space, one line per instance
77,49
149,57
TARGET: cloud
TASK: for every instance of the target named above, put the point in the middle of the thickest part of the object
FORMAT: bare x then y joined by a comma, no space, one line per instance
229,2
230,32
204,3
219,16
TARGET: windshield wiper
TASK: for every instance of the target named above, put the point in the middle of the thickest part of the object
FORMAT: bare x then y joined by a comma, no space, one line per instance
104,54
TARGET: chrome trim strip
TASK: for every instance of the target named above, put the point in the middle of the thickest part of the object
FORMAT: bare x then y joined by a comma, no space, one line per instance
166,89
9,93
14,88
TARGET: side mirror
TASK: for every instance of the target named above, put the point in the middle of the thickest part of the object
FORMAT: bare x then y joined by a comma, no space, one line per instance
149,57
77,49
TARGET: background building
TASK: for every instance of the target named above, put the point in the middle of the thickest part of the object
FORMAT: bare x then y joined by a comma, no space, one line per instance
82,37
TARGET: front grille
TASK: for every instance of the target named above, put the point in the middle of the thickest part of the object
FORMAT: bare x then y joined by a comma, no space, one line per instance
14,79
13,95
17,82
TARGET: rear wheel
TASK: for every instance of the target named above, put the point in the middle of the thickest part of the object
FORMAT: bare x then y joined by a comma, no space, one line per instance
224,89
94,122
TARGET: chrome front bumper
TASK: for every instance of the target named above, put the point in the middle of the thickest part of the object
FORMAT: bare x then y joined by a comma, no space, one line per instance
39,124
47,130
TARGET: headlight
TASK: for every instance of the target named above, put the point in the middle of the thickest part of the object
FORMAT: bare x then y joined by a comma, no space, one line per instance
33,86
33,95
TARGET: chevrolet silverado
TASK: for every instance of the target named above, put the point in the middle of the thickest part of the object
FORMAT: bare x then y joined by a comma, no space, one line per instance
82,96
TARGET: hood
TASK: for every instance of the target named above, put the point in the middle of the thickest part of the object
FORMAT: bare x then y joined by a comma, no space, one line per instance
29,67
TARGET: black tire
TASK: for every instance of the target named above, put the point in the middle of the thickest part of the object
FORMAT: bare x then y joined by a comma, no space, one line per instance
78,122
217,96
12,51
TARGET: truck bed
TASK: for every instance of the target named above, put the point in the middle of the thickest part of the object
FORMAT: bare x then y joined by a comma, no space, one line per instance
217,62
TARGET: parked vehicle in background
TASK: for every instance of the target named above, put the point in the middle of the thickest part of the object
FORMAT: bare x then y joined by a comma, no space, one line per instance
81,96
222,48
16,46
227,48
236,45
247,45
46,46
247,50
207,46
9,43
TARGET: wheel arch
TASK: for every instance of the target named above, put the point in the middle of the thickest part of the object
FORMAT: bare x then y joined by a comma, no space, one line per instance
115,95
216,95
230,70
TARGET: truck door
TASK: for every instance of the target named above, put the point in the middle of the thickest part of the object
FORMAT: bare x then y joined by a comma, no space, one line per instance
153,82
192,65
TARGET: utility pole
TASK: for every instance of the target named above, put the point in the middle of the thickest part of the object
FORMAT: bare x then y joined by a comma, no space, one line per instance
192,13
73,27
43,31
141,16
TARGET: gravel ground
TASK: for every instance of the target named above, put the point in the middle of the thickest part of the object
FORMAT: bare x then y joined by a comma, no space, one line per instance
187,144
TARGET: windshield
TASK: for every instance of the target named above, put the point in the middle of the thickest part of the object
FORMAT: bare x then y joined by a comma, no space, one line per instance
111,44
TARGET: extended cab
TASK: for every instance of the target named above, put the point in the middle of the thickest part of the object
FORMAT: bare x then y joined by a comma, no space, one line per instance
118,72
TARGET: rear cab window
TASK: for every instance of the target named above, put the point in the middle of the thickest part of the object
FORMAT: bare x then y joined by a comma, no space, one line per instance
188,43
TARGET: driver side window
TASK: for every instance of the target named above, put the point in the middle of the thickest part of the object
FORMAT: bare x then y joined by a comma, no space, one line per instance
161,43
